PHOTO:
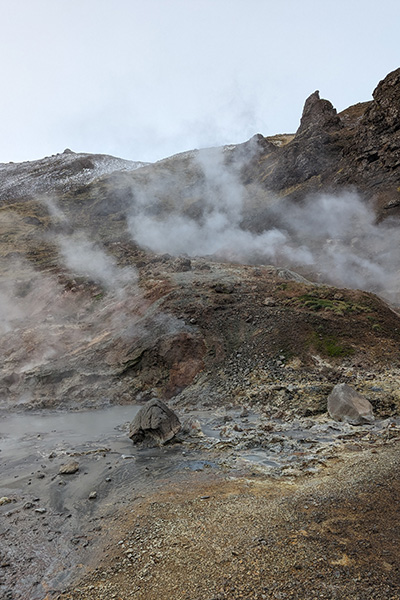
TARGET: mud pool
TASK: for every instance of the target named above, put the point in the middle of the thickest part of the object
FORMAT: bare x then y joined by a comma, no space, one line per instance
50,523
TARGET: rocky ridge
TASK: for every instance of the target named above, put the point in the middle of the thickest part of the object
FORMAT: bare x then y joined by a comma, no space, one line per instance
358,147
57,174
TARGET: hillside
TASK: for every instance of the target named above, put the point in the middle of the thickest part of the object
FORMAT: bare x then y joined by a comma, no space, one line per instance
92,293
239,284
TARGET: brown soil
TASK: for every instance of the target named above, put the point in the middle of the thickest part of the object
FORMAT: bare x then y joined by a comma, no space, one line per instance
331,535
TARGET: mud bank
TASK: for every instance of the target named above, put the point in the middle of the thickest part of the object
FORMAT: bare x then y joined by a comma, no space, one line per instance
330,535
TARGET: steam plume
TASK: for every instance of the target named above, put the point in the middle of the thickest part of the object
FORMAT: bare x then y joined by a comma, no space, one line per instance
334,237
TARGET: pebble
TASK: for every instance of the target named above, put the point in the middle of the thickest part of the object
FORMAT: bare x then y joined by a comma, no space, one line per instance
5,500
92,495
69,468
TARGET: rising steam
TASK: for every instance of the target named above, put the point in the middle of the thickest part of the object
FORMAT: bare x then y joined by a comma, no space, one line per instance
334,238
84,257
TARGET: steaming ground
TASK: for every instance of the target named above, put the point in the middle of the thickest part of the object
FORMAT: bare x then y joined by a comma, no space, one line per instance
200,208
49,320
101,305
334,238
71,280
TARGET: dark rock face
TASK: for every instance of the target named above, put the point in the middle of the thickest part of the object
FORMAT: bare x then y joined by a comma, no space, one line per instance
359,147
319,117
384,112
314,149
154,423
374,157
346,404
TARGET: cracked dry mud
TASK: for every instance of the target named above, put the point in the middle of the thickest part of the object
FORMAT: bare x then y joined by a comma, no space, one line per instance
335,534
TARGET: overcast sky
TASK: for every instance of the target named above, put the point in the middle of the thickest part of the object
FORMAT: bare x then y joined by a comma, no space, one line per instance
144,79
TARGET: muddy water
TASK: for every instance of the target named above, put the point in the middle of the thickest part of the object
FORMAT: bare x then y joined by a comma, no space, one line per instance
47,431
51,524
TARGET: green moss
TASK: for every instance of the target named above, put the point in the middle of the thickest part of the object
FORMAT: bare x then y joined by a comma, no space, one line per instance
329,345
317,303
333,347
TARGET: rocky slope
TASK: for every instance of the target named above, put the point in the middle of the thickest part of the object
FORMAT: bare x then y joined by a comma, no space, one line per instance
57,174
94,310
358,147
197,331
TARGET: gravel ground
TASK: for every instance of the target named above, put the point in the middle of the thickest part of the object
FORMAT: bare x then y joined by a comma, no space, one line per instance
334,534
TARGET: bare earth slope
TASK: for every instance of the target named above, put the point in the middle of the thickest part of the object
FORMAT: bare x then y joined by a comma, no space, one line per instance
214,333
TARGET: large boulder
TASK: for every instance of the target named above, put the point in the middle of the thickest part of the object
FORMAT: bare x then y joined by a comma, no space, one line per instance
154,423
346,404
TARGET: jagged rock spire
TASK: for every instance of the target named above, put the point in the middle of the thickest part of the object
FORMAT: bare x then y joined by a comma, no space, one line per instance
318,115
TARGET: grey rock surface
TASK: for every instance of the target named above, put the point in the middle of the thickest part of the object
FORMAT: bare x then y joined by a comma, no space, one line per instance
155,422
346,404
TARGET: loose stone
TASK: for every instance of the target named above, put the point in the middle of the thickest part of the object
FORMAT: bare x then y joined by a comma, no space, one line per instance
69,468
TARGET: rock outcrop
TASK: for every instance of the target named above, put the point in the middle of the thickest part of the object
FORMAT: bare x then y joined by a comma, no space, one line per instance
346,404
319,117
154,423
359,147
373,159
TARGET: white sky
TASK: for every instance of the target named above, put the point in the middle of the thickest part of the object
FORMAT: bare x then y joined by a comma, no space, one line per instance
144,79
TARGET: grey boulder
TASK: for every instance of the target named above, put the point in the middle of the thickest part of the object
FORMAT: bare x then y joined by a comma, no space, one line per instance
154,423
346,404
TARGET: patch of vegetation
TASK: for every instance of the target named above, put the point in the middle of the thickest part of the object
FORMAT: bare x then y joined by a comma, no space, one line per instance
375,326
331,346
317,302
